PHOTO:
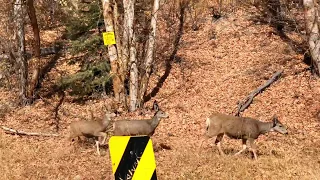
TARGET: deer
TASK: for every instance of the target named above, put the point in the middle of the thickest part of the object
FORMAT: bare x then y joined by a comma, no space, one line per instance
245,128
91,129
139,127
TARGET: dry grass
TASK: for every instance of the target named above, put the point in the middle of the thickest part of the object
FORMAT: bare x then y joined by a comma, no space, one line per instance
213,75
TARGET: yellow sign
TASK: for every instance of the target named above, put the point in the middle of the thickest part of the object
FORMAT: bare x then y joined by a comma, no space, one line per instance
108,38
132,158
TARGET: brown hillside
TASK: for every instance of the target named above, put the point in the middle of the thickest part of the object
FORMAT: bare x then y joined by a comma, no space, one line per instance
213,75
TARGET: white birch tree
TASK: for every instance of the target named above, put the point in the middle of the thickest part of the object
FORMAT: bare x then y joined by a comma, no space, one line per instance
312,27
149,54
130,46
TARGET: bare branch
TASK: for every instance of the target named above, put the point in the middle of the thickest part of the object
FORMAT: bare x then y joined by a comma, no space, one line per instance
18,132
245,104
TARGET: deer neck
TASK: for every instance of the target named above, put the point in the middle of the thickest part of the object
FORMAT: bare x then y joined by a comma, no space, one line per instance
155,121
105,122
265,127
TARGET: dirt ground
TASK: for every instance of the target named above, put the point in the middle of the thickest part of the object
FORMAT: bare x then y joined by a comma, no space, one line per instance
212,76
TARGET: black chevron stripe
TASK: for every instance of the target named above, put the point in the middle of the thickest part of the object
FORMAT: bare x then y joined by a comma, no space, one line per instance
154,175
132,153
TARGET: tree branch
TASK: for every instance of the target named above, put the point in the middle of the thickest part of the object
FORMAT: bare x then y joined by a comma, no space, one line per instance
248,100
18,132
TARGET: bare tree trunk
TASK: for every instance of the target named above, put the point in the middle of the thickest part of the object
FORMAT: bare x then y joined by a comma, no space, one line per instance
150,52
21,60
134,88
36,49
122,65
117,28
126,29
312,27
129,45
220,5
112,50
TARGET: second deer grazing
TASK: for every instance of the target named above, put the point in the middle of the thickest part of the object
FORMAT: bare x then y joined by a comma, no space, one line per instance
91,129
138,127
244,128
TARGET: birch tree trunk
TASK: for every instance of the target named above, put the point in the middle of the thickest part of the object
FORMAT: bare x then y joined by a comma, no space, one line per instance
125,33
129,51
312,26
149,53
36,48
112,51
21,60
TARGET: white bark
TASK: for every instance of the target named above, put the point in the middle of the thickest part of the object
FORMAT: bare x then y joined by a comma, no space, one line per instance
128,28
152,36
150,50
133,80
312,27
126,36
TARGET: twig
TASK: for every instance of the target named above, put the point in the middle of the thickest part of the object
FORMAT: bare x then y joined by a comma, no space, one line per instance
13,131
56,110
245,104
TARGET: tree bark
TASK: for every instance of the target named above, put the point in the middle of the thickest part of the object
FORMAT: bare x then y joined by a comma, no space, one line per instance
248,100
129,36
125,38
36,48
112,50
150,52
312,26
121,65
21,59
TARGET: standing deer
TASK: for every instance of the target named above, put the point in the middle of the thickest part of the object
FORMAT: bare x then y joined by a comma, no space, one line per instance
91,129
244,128
139,127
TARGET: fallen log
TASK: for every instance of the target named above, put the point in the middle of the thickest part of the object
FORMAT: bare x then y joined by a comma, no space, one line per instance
248,100
18,132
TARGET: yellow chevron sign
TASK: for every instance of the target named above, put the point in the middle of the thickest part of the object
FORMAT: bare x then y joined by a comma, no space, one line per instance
132,157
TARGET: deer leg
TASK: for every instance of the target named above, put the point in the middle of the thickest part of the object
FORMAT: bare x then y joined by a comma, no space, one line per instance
104,135
98,135
101,134
97,144
244,147
218,143
80,141
201,144
253,148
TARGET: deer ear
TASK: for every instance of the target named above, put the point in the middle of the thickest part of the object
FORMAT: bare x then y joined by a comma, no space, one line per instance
275,120
155,106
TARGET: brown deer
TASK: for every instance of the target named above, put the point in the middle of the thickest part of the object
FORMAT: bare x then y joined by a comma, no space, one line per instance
139,127
244,128
91,129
